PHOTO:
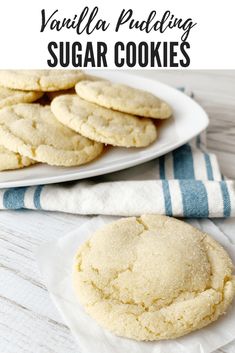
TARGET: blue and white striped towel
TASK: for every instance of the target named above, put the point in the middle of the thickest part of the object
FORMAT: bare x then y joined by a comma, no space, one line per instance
184,183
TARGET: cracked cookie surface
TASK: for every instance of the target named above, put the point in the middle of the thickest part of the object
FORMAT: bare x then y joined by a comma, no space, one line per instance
11,160
123,98
32,131
9,96
40,80
153,277
103,125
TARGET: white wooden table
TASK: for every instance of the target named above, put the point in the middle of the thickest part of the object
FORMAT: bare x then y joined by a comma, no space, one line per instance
28,320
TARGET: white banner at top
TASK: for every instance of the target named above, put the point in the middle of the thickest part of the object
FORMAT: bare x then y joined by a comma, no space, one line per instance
165,34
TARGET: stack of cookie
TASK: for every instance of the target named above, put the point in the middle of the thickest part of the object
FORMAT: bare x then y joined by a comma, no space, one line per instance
44,119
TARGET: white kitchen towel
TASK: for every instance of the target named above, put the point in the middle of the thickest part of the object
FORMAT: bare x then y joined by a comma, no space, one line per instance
55,262
184,183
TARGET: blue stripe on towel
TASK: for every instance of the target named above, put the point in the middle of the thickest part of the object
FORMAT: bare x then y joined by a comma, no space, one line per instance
198,141
194,197
162,167
183,163
167,197
208,167
14,198
37,196
226,199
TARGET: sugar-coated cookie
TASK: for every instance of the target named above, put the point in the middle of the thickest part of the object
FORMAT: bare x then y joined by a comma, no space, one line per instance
40,80
123,98
32,131
11,160
153,277
102,124
10,96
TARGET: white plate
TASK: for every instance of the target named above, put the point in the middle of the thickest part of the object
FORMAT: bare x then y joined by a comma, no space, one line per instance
188,121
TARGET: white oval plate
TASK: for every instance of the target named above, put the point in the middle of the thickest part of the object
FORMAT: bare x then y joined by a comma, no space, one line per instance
189,119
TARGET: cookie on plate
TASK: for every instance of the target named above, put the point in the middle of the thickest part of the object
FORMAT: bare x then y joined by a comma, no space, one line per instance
103,125
32,131
40,80
153,277
123,98
10,96
11,160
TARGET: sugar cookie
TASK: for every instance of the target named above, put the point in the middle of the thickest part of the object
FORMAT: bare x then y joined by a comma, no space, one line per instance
32,131
123,98
40,80
11,160
153,277
103,125
10,96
